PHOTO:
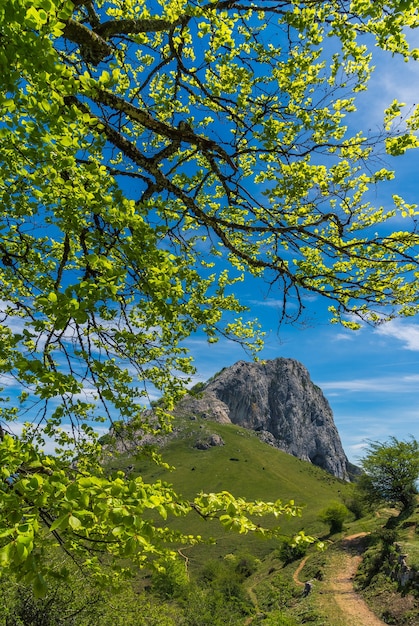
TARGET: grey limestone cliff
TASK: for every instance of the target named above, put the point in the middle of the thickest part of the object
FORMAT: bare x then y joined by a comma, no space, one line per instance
277,399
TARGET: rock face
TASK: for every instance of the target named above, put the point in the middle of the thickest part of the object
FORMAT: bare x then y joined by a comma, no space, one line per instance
278,400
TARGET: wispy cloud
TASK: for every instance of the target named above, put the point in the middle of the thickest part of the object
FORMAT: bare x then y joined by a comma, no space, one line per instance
358,427
344,337
390,80
270,303
405,332
390,384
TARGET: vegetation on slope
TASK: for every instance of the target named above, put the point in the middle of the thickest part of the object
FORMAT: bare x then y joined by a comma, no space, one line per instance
239,580
245,466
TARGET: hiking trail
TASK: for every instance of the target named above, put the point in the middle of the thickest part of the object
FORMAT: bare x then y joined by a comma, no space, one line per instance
338,584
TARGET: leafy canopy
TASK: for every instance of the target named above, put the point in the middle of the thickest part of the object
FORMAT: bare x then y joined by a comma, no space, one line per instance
153,153
392,471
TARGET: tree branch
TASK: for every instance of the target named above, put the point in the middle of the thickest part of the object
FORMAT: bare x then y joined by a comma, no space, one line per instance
93,48
183,132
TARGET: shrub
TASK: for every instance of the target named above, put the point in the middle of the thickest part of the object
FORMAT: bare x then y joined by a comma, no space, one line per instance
334,515
172,581
355,501
289,551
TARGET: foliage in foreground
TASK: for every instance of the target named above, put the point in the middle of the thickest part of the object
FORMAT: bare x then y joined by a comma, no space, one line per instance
77,602
138,140
217,597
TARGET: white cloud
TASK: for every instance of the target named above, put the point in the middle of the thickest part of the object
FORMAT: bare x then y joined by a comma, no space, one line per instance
344,337
389,384
9,384
269,303
392,78
407,333
14,322
16,428
360,426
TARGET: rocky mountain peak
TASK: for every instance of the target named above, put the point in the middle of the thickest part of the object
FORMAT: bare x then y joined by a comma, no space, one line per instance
278,400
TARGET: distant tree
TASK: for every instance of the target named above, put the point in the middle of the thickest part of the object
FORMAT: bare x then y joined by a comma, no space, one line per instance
391,471
334,515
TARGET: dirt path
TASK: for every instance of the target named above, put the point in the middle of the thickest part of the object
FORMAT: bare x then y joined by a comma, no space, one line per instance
339,585
337,588
297,572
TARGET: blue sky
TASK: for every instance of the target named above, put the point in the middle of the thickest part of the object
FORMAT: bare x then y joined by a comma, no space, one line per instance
370,377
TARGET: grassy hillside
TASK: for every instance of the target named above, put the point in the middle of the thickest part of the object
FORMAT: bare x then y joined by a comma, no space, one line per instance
245,466
239,589
273,592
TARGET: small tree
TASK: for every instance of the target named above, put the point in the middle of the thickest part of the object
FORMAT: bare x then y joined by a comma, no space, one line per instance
334,515
391,471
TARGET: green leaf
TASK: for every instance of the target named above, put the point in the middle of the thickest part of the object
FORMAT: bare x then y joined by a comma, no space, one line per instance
39,586
6,555
74,522
117,186
60,522
21,552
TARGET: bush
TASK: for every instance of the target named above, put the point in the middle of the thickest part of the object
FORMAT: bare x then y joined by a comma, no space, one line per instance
244,565
289,551
334,515
75,602
172,581
208,607
278,618
355,501
225,578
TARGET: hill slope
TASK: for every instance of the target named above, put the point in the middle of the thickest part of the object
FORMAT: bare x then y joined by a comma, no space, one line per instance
244,465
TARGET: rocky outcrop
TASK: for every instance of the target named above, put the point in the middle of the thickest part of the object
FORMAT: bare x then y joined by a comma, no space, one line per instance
209,442
278,400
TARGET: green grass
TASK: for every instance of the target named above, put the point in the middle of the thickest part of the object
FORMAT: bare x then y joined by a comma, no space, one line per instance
246,467
408,538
